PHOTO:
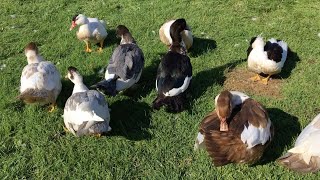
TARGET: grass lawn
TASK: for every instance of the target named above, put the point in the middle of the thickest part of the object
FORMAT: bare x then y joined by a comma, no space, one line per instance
147,144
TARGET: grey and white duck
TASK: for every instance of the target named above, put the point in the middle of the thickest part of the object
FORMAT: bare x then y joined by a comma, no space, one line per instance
86,111
125,65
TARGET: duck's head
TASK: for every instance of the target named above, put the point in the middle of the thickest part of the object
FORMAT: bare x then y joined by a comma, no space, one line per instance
31,51
257,42
74,75
223,105
176,28
78,19
125,35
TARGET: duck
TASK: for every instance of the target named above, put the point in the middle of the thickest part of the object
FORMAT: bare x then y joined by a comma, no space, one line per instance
267,58
304,157
86,111
40,79
91,30
164,34
237,131
174,73
125,66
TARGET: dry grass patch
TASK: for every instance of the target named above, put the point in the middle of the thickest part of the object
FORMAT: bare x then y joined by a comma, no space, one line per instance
238,79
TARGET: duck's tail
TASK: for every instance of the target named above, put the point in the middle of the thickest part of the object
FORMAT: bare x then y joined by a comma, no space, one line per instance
107,87
174,103
296,163
36,96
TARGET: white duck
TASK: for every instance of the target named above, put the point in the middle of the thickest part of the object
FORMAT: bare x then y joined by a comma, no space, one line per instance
305,155
125,65
91,30
40,80
186,34
266,58
86,111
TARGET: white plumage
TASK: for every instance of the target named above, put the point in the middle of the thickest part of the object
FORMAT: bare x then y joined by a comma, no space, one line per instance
91,30
40,80
86,111
253,136
267,58
308,142
164,33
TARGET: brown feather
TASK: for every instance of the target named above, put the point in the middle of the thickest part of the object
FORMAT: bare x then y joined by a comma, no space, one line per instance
30,96
226,146
296,163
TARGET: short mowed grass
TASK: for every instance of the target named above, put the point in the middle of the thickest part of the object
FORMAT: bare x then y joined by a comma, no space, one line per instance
147,144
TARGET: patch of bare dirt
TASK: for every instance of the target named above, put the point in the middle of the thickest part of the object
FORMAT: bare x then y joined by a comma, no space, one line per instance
238,79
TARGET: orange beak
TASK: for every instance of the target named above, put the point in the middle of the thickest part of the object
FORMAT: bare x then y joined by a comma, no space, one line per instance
223,124
73,25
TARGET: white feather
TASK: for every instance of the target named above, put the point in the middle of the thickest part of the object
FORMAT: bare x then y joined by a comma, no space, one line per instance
237,98
166,27
177,91
308,143
43,76
258,59
199,141
125,84
253,136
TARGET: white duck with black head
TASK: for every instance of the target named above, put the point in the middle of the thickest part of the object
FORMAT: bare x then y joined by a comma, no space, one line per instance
125,65
86,111
165,37
174,72
91,30
267,58
40,79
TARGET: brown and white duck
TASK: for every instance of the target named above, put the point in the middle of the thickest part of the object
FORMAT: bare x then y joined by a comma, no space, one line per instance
91,30
237,131
186,34
304,157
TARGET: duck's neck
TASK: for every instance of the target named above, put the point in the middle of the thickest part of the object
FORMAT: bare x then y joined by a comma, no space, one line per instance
127,39
178,48
32,57
79,87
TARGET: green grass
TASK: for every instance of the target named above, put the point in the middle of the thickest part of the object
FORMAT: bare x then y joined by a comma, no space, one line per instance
146,144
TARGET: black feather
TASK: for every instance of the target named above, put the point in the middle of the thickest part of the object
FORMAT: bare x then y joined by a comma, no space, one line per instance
274,51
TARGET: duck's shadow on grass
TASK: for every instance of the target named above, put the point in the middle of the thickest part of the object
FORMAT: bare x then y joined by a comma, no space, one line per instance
111,39
201,46
210,77
130,119
286,129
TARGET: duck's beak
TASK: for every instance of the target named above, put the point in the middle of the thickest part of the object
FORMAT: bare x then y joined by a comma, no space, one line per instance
223,124
66,76
73,25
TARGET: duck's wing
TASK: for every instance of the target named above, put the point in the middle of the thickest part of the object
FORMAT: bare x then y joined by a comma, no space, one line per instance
305,156
253,124
210,122
29,77
127,62
174,74
51,78
86,106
